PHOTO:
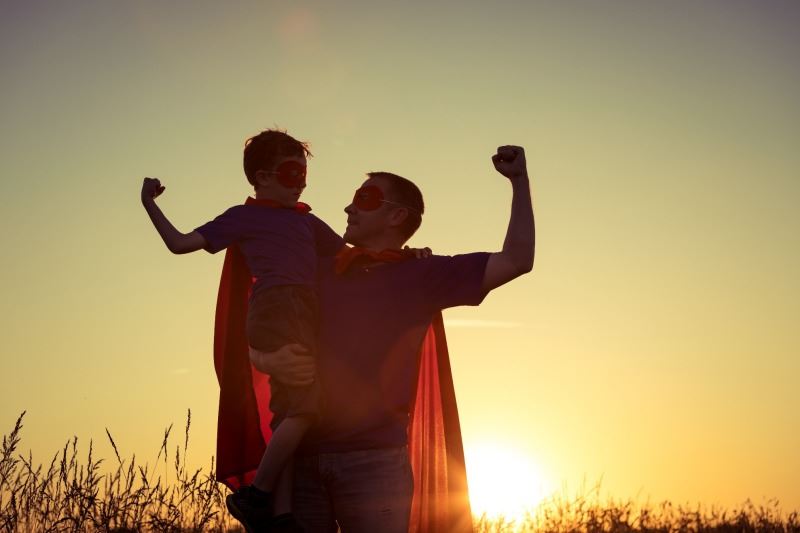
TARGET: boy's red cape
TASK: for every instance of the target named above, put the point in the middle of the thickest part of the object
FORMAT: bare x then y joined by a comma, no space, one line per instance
440,502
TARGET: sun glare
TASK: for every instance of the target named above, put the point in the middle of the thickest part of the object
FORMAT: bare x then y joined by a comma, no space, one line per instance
502,481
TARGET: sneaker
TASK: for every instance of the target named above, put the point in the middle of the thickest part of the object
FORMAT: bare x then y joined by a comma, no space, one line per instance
286,523
253,510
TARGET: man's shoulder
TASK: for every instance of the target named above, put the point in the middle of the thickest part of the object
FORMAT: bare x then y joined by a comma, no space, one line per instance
411,267
445,260
428,267
436,262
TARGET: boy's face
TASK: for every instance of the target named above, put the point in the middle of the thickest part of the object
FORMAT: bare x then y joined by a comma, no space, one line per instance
284,182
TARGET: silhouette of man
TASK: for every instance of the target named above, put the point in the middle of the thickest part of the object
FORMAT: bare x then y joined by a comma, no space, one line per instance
353,469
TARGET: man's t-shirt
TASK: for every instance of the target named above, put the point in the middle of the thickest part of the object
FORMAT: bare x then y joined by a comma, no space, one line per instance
373,321
280,246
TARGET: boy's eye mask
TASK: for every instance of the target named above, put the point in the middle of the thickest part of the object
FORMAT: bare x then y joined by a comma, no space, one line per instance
291,174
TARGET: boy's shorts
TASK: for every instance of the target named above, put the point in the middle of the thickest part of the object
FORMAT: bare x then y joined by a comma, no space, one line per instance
280,315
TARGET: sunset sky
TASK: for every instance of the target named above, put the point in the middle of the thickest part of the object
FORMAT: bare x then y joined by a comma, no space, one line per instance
655,345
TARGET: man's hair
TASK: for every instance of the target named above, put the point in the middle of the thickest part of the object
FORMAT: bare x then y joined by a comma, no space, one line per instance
403,191
262,151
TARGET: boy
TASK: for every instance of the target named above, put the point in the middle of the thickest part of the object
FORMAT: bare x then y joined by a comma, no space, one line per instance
280,241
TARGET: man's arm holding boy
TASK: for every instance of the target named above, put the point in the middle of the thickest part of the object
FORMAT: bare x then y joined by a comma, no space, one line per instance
177,242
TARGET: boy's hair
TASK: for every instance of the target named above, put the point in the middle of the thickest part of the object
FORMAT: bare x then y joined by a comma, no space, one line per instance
262,151
407,194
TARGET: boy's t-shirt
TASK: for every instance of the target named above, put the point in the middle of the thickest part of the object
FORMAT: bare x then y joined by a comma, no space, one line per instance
373,321
281,246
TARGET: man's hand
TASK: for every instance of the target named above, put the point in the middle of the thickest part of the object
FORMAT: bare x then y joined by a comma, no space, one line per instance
510,162
151,188
288,364
419,253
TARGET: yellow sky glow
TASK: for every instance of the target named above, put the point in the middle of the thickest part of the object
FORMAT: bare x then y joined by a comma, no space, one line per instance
503,481
655,344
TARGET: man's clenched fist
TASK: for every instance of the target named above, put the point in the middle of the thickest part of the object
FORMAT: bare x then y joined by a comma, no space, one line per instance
510,162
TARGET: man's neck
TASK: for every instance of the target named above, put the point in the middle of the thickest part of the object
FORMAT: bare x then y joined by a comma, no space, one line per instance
380,245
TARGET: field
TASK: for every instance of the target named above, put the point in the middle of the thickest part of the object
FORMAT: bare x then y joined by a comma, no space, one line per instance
71,494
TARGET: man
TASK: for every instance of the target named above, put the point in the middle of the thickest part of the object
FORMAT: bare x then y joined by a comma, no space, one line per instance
354,467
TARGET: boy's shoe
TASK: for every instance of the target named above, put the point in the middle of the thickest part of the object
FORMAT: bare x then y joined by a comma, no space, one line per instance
286,523
252,509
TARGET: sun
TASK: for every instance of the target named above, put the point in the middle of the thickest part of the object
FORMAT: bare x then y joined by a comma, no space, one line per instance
502,481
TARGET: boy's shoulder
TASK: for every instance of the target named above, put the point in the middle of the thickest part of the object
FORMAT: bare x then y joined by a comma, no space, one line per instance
260,210
236,209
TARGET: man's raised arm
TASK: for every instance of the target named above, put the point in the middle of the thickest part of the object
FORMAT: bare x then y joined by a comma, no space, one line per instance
177,242
516,258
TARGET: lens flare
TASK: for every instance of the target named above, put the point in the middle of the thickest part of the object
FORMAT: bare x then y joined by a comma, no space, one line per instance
503,481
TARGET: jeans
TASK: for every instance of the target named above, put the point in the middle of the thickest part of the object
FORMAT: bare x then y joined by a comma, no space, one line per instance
364,491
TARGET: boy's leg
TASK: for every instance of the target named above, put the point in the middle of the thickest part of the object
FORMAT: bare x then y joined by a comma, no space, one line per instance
277,316
279,451
282,493
253,505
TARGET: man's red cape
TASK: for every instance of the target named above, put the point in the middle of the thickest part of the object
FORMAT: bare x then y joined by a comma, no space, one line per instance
440,502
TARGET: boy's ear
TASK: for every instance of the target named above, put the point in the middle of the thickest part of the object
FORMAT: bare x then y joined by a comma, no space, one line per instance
262,178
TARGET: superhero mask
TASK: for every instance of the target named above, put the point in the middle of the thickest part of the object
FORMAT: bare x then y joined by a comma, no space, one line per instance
291,174
370,198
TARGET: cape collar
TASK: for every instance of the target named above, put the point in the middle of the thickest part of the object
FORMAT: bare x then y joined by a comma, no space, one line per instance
300,207
352,255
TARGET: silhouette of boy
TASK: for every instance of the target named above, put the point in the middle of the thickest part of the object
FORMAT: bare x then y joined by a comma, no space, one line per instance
280,241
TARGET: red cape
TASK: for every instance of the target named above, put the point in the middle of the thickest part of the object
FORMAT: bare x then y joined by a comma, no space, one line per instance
440,502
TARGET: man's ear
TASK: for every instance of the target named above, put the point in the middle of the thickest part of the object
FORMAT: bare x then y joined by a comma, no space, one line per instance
398,216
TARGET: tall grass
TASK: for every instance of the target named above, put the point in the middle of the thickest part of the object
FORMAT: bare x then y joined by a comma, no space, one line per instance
587,512
73,495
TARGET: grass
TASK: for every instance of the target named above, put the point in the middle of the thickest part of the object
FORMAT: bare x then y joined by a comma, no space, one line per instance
73,495
587,513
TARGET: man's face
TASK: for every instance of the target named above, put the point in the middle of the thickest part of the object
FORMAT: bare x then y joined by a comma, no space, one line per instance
285,181
373,218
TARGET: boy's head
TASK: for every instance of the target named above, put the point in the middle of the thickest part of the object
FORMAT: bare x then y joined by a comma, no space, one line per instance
275,164
385,205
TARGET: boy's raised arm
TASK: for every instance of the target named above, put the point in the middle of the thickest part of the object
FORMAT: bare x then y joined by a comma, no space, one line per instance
177,242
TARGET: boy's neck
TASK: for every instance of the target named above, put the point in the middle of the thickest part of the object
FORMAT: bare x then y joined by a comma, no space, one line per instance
262,195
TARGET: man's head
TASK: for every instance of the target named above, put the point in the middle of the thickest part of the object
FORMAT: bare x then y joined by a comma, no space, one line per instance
385,212
275,164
